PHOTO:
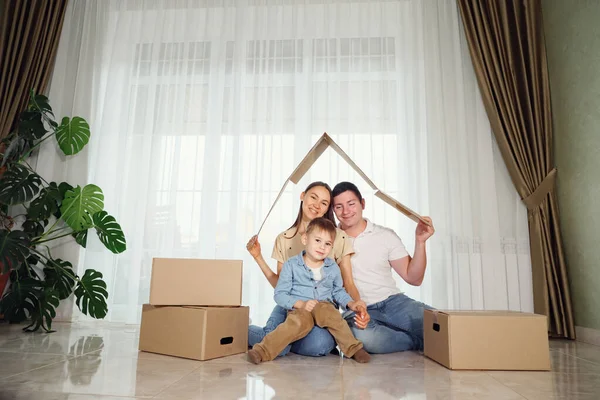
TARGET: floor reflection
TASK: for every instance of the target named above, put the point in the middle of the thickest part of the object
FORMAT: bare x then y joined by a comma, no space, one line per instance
85,362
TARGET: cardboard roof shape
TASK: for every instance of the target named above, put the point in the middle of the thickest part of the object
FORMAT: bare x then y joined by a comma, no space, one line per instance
313,155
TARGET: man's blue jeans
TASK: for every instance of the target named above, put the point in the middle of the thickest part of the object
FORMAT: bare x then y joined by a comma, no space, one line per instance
318,342
396,325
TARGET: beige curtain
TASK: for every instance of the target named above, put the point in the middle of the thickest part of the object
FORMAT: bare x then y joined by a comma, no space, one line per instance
506,42
29,34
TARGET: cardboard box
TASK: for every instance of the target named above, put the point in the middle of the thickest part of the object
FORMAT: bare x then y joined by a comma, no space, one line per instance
324,142
192,282
199,333
487,340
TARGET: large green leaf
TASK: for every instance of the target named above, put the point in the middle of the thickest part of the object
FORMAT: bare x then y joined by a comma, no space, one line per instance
60,276
33,229
72,135
79,206
19,185
18,303
91,294
81,237
44,310
63,188
31,125
14,248
109,231
40,102
46,204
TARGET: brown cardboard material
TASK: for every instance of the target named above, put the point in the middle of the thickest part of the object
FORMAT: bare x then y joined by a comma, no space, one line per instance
487,340
195,282
324,142
199,333
401,207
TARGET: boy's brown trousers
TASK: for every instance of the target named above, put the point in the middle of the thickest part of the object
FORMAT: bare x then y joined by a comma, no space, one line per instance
299,323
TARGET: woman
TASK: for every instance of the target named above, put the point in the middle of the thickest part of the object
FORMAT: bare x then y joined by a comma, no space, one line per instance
315,202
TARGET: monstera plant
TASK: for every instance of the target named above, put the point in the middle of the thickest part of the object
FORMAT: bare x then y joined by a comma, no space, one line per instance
34,212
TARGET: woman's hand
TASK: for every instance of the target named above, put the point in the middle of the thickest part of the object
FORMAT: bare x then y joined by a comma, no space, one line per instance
362,318
357,305
253,246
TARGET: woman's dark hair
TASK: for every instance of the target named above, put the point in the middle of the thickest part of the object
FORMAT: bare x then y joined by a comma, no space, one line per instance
328,215
344,187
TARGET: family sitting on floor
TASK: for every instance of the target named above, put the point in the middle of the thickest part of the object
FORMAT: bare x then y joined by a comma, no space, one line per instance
321,267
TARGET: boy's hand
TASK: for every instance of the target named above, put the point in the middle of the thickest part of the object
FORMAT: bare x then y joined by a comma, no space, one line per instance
310,305
299,304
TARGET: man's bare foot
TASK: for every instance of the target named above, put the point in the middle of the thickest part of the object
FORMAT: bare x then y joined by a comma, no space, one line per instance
254,357
362,356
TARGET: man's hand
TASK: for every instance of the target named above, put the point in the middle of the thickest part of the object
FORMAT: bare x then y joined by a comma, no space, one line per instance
253,246
423,231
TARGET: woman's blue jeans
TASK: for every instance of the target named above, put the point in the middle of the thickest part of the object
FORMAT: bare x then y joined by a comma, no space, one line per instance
318,342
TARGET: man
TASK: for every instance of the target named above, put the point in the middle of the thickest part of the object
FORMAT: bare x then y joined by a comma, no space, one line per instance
396,320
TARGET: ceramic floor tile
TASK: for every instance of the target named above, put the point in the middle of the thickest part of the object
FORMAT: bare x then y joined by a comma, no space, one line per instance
550,385
290,359
265,381
433,381
16,363
67,340
563,362
399,360
9,332
93,374
129,349
274,380
22,395
97,360
588,352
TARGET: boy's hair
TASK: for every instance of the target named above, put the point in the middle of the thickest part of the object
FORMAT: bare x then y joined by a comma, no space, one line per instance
344,187
322,224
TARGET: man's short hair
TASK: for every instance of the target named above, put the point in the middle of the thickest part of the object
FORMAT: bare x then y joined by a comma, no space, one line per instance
344,187
322,224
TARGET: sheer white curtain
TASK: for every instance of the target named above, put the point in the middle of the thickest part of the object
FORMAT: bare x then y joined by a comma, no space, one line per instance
201,109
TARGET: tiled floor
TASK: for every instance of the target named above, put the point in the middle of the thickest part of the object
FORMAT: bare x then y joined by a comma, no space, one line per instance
101,361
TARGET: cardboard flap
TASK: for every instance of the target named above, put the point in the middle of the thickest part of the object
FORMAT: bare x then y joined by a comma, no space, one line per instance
309,159
401,207
273,206
196,282
313,155
490,313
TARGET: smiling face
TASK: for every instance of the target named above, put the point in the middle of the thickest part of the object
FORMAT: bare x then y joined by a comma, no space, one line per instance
348,209
315,202
318,244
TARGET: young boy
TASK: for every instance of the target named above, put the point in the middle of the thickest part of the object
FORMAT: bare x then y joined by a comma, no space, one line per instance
309,285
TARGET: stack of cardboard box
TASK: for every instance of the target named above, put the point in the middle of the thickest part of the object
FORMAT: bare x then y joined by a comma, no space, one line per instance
195,309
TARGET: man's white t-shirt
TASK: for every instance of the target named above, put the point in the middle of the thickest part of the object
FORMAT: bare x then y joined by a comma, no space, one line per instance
374,248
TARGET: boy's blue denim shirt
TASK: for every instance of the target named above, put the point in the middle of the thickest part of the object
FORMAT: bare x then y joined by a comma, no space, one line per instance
296,282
